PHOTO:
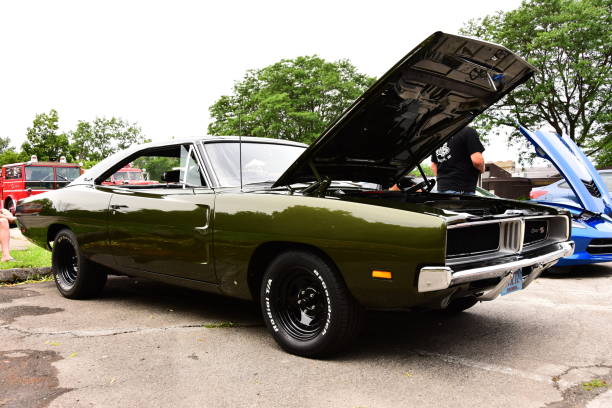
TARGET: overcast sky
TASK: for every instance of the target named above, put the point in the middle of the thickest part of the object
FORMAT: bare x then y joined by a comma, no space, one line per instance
163,63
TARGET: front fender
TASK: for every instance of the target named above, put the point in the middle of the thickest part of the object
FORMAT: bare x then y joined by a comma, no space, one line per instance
358,238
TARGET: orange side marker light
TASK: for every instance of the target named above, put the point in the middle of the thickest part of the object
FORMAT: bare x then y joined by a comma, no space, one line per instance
382,275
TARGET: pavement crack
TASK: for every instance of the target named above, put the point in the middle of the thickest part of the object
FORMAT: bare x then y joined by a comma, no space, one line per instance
110,332
558,381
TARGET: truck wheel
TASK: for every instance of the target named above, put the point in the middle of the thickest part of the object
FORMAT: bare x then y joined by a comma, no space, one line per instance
9,204
306,305
75,276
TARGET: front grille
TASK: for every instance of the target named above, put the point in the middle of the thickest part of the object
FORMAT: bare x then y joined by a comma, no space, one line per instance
472,240
480,240
593,190
600,246
535,231
511,237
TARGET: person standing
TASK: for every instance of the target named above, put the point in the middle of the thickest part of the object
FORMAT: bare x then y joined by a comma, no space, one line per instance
458,163
5,237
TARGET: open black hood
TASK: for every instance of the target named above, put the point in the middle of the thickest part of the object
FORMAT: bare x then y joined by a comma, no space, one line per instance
428,96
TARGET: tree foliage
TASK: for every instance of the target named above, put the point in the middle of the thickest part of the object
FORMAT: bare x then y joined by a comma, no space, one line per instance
4,144
44,140
89,143
8,154
570,44
93,141
291,99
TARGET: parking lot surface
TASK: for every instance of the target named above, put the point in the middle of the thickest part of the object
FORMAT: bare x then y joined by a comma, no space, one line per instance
144,344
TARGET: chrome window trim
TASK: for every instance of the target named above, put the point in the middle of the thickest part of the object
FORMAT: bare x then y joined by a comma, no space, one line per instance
193,147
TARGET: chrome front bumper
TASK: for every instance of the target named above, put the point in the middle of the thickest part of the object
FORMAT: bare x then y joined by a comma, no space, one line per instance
432,278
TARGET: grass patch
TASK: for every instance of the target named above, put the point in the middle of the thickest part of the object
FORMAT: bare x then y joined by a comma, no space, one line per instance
33,257
220,325
591,385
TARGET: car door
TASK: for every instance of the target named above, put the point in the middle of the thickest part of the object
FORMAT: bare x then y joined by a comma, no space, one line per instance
164,227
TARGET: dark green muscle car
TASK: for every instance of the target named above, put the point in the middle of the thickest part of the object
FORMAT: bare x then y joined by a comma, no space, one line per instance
313,233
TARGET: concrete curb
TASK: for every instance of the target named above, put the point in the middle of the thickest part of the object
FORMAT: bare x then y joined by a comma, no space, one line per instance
19,274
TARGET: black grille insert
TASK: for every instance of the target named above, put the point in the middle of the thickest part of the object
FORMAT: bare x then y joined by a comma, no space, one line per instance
593,190
600,246
535,231
472,240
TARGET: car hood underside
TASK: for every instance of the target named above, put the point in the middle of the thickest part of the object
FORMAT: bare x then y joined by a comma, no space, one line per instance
432,93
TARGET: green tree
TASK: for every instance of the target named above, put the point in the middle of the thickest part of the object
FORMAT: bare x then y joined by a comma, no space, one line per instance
570,44
93,141
291,99
9,156
44,140
4,144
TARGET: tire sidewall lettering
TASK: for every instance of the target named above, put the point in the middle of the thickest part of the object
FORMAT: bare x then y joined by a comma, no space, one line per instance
328,301
268,308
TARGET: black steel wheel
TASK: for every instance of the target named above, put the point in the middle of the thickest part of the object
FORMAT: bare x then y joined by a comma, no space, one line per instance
75,277
306,305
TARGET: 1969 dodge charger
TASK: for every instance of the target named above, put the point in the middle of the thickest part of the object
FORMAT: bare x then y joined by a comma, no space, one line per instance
313,233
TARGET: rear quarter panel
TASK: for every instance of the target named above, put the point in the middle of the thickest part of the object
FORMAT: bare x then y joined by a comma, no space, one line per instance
83,209
357,237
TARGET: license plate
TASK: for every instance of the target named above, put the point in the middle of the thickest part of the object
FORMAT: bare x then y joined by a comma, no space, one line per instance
515,284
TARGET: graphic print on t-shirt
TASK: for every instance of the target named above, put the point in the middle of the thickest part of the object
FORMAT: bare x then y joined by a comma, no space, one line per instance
443,153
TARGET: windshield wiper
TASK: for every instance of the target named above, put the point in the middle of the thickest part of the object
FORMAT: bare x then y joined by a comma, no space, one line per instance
317,188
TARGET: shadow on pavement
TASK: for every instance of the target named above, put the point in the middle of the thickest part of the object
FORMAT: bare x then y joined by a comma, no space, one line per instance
156,296
386,335
579,271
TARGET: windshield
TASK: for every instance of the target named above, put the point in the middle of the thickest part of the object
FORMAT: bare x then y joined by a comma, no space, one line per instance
39,173
261,162
607,178
67,173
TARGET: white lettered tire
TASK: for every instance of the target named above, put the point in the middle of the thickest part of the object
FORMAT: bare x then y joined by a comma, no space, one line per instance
307,306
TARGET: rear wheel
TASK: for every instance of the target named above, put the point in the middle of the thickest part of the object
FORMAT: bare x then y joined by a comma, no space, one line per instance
306,305
75,276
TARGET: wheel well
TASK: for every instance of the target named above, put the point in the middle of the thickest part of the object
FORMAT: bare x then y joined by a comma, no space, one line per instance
265,253
52,232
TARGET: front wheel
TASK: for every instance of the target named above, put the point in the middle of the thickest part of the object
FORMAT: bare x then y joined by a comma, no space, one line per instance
306,305
75,276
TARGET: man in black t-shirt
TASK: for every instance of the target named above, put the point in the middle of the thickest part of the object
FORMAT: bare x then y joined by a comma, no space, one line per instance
458,163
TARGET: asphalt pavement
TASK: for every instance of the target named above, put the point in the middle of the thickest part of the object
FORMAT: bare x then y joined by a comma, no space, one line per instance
144,344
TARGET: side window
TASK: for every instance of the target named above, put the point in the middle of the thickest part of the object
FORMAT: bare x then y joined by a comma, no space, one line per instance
13,173
165,167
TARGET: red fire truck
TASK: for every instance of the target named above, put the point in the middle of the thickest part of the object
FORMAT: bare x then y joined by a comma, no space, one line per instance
128,175
20,180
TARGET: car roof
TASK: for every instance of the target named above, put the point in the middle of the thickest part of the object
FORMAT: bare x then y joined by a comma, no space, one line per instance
99,169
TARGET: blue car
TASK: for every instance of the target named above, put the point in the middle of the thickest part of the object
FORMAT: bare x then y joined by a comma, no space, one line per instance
560,191
590,202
